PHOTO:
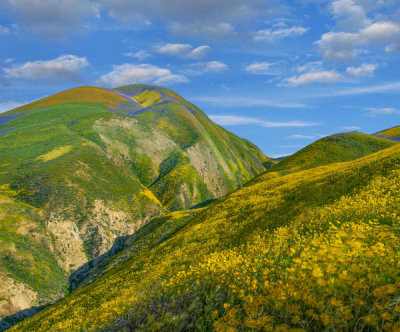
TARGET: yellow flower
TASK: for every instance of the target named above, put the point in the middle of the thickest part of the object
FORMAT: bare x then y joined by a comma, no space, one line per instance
226,305
317,273
336,303
214,314
371,320
325,319
387,316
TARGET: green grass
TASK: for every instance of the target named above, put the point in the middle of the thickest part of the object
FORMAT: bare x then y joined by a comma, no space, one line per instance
391,133
327,150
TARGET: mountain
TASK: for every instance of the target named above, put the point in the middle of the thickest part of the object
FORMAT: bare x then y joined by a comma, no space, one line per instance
391,133
311,250
83,169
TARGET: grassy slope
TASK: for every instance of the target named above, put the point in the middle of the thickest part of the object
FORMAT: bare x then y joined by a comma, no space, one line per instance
327,150
81,168
250,254
391,133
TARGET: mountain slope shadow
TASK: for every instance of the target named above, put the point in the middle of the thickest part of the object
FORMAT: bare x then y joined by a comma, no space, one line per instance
11,320
82,274
77,278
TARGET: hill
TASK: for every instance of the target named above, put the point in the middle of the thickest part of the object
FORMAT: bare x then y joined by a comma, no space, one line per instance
391,133
83,169
330,149
241,263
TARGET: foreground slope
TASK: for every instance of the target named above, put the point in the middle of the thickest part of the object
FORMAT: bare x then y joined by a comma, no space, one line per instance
84,168
242,262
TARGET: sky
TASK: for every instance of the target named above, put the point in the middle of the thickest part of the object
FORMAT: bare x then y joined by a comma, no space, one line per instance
279,73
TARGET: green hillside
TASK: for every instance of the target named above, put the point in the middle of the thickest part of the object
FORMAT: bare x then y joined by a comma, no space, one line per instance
313,250
391,133
331,149
83,169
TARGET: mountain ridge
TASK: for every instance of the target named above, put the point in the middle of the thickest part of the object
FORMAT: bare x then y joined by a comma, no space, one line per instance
89,165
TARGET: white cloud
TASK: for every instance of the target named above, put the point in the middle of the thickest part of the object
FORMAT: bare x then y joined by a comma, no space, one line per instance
184,50
380,88
315,77
380,33
204,17
374,111
352,128
339,46
269,35
140,55
200,52
145,73
310,66
199,68
234,120
174,49
262,68
9,105
365,70
299,136
64,67
349,15
214,30
343,46
171,79
4,30
54,19
243,101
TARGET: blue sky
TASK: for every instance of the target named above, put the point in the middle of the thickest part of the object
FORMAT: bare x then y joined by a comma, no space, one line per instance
280,73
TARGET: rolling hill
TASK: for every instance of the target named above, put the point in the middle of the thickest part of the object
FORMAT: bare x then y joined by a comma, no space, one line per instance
241,263
327,150
391,133
83,169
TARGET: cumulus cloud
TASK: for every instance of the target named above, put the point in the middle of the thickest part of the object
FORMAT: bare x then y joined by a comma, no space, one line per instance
349,15
204,17
199,68
145,73
140,55
315,77
269,35
65,67
54,19
175,49
339,46
234,120
261,68
209,29
364,70
344,46
184,50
